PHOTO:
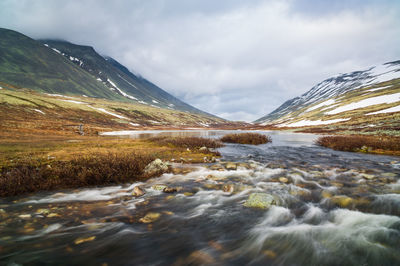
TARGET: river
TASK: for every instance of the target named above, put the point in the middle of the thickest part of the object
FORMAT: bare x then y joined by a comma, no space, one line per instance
329,208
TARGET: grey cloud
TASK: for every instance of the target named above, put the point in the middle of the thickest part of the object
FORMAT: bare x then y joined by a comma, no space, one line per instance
234,59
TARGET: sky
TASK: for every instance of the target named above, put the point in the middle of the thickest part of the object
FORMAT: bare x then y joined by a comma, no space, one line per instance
239,60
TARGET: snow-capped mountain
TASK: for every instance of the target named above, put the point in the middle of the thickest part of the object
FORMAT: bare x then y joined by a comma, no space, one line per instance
341,98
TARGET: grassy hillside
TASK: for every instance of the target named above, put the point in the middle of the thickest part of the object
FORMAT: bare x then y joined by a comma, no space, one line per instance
117,77
24,112
26,63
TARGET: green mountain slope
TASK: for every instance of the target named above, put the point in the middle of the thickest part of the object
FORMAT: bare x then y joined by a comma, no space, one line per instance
118,78
60,67
25,62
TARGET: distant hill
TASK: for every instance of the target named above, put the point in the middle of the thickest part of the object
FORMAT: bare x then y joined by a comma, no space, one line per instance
367,98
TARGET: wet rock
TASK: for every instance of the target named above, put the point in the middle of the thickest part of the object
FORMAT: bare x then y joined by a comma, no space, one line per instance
150,217
275,165
83,240
43,211
199,258
159,187
367,176
182,170
342,201
172,189
156,167
215,178
283,180
212,186
170,197
24,216
269,254
326,194
188,194
244,165
228,188
203,149
260,200
138,191
230,166
216,167
51,215
168,213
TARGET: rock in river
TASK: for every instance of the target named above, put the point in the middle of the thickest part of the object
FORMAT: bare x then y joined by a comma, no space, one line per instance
138,191
260,200
230,166
156,167
150,217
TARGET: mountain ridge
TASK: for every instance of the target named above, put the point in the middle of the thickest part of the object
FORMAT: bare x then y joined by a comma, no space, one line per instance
347,88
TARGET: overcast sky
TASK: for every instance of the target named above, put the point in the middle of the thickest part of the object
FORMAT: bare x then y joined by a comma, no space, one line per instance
236,59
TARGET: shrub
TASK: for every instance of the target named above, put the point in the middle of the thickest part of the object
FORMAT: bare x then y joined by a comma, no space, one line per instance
360,143
246,138
188,142
98,169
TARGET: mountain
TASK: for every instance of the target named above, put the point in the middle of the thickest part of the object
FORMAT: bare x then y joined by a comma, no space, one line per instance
366,97
60,67
117,77
26,63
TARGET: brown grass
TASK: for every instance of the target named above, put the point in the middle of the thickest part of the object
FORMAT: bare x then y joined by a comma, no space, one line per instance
188,142
373,144
246,138
96,169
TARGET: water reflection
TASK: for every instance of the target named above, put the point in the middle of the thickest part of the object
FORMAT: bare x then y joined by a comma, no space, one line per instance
279,138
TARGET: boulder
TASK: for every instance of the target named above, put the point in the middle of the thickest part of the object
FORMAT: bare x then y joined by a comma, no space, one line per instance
342,201
159,187
260,200
203,149
156,167
150,217
138,191
230,166
172,189
283,179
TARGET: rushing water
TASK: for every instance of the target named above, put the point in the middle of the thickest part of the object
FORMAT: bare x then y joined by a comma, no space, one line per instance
331,208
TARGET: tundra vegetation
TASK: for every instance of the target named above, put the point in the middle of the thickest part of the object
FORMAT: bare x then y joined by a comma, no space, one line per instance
367,144
246,138
38,165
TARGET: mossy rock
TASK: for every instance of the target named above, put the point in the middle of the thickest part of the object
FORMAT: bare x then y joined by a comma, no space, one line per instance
260,200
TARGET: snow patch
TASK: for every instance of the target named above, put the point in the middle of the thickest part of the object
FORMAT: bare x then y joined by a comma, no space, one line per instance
60,95
134,124
72,101
120,91
324,103
154,101
142,102
389,98
39,111
55,50
303,123
388,110
107,112
380,88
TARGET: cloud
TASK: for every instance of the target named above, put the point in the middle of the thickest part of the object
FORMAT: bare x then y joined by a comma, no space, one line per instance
234,59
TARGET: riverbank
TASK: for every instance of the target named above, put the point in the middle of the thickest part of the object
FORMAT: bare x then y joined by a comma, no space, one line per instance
36,164
365,144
